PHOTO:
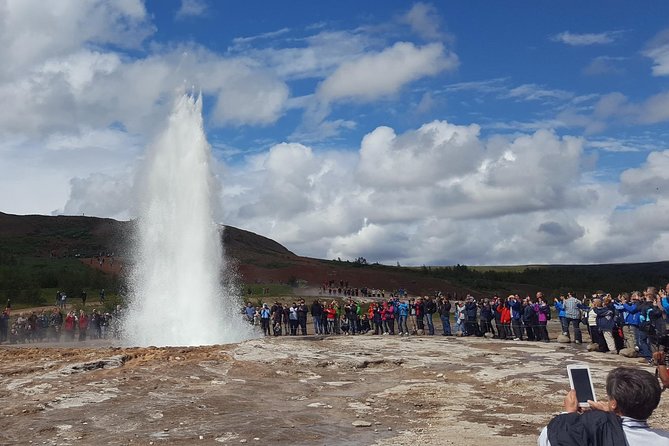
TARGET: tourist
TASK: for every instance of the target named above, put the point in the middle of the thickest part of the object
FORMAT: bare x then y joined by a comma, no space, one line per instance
402,315
445,315
630,306
302,312
430,308
543,311
83,325
487,315
572,311
265,314
412,315
331,315
505,319
471,312
606,323
249,311
515,306
4,326
632,394
292,319
530,320
459,318
69,326
388,316
559,308
316,316
419,309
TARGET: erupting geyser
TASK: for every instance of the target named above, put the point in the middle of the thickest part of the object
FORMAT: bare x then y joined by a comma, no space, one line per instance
176,293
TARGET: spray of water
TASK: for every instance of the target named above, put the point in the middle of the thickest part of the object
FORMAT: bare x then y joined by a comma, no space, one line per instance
177,297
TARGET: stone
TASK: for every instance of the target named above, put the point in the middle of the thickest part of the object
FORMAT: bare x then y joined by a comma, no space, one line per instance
361,423
628,353
562,339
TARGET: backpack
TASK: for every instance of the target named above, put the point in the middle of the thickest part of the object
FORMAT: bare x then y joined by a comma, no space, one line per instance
645,323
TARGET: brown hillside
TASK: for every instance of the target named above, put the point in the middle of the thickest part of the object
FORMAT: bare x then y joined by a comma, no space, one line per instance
257,259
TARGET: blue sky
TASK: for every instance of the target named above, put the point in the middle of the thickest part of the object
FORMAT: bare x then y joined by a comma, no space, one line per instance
472,132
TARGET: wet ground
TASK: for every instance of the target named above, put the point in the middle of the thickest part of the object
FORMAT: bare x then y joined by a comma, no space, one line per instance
292,391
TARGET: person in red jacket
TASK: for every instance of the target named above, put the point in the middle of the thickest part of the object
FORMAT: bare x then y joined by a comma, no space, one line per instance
69,326
505,319
83,325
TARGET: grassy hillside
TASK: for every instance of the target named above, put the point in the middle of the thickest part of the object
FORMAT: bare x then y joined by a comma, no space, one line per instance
42,254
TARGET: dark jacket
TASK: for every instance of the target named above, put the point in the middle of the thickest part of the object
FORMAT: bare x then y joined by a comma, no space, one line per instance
529,315
605,318
445,309
592,428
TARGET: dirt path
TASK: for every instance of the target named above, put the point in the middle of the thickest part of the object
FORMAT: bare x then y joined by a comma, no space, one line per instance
297,391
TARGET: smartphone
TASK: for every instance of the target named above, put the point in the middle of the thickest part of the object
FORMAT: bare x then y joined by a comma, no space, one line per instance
581,381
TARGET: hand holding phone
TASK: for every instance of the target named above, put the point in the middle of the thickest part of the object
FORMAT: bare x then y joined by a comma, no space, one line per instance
581,382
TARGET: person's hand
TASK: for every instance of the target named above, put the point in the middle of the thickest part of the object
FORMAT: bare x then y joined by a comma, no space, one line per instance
658,357
571,402
599,405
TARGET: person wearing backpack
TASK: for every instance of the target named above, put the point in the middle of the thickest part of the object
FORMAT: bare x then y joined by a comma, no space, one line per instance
544,315
648,315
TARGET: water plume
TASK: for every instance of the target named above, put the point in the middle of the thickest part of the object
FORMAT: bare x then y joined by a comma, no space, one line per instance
176,294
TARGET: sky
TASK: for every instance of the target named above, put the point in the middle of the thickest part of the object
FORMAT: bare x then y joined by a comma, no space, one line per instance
466,131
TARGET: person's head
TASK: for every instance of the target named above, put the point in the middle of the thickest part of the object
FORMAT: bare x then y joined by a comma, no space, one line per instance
650,293
632,392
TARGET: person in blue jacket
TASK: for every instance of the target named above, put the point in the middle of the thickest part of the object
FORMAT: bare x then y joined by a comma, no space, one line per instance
516,313
630,312
559,307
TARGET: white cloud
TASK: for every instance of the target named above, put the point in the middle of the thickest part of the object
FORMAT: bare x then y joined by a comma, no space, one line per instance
658,50
584,39
32,33
424,21
650,180
435,152
380,74
429,195
191,8
601,65
533,92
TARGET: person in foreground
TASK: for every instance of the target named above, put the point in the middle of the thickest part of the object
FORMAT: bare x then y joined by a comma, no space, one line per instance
633,396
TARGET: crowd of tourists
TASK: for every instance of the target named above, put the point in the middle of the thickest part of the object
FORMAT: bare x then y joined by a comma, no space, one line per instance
58,325
633,322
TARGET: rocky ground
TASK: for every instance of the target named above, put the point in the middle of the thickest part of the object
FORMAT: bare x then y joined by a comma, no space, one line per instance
361,390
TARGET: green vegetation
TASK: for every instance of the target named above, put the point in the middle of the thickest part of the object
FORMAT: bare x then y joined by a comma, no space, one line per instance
35,280
555,279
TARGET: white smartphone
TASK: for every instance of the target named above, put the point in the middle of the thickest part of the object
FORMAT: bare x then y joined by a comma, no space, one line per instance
581,381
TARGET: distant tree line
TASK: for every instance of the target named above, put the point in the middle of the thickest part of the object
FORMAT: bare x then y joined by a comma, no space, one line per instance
556,279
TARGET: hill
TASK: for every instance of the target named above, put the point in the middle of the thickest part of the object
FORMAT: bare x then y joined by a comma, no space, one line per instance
40,254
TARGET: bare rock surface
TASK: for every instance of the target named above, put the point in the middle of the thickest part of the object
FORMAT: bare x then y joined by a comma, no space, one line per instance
293,391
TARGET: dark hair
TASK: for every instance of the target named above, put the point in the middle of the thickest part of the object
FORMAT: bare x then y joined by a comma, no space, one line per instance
637,392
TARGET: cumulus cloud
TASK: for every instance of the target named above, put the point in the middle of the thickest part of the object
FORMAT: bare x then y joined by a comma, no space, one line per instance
584,39
650,180
437,193
658,50
33,33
